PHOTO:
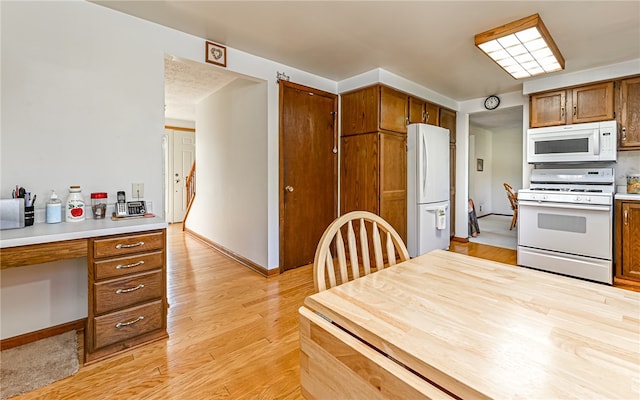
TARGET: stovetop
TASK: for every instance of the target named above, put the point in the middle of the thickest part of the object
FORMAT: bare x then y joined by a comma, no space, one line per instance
579,186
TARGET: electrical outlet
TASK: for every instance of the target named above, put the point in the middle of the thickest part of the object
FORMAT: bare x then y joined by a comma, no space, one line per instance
480,207
137,190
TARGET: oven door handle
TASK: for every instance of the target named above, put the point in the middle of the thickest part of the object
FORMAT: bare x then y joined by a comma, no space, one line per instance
589,207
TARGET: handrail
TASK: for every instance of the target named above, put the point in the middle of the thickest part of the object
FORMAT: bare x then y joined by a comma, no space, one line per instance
190,183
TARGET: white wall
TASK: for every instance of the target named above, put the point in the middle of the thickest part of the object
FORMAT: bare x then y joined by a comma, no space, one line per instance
83,103
480,182
231,148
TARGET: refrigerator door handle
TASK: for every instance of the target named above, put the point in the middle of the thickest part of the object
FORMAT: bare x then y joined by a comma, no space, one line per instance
423,138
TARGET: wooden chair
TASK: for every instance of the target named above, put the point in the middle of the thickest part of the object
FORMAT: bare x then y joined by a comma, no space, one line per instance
513,200
354,261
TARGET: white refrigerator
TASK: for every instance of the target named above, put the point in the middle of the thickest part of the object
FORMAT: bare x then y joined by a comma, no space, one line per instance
428,205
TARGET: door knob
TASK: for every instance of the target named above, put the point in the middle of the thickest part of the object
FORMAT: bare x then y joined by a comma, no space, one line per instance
289,189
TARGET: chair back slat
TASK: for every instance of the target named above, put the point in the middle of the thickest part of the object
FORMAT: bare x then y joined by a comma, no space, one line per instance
391,250
364,243
342,258
333,269
353,250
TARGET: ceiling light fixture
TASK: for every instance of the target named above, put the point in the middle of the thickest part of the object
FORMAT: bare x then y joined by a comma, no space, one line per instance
523,48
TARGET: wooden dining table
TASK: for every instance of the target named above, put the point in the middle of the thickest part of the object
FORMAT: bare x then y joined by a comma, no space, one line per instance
447,325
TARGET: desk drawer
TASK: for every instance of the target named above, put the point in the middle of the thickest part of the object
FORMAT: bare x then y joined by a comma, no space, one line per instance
114,267
115,294
127,244
127,324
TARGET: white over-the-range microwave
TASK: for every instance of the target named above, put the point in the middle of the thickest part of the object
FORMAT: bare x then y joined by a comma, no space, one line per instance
593,141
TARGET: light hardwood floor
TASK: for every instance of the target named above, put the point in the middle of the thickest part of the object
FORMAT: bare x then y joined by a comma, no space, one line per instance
233,334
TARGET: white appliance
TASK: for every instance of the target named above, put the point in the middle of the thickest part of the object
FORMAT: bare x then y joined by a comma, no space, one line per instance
428,212
594,141
566,222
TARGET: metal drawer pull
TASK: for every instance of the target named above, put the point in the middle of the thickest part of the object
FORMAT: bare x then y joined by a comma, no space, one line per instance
133,289
121,266
126,246
127,323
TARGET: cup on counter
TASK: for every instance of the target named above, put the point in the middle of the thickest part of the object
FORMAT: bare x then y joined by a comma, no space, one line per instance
29,215
99,204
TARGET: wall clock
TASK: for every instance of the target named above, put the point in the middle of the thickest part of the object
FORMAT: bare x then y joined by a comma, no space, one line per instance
492,102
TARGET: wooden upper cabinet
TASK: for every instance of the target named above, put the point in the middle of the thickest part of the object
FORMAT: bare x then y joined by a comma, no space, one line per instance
628,113
421,111
588,103
360,111
393,110
592,103
448,121
547,109
374,108
417,113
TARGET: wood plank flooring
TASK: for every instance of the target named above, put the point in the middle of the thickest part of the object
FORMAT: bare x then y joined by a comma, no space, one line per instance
233,334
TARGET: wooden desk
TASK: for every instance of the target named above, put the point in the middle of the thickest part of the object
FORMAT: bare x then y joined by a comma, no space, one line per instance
126,261
464,327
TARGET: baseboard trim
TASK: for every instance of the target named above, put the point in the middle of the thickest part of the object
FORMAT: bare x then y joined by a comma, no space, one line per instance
19,340
267,273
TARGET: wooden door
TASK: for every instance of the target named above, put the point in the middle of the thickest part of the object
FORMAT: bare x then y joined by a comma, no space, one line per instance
592,103
360,111
308,171
393,181
184,154
548,109
359,173
431,113
631,240
393,110
629,106
417,114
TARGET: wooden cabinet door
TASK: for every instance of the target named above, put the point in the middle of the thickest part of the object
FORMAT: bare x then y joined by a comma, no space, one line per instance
393,181
417,114
629,114
547,109
631,240
359,173
393,110
592,103
448,121
360,111
432,113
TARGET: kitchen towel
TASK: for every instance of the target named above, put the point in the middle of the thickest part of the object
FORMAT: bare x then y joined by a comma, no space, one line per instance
441,218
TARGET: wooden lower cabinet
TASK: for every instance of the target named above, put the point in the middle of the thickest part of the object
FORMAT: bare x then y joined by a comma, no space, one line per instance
374,176
127,293
627,226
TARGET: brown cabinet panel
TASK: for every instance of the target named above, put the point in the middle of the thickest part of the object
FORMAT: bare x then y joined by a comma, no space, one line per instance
114,267
359,173
127,324
393,181
360,111
592,103
417,113
393,110
448,121
627,228
432,114
547,109
120,245
628,108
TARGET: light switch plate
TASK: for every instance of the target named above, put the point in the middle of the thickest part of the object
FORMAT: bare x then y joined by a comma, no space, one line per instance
137,190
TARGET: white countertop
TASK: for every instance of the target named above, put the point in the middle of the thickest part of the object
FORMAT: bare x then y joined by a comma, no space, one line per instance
627,196
46,233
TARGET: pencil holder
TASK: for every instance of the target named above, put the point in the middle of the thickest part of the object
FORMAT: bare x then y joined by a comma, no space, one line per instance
29,215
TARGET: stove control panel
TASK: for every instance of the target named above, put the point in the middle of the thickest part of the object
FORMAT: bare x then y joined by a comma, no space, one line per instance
566,197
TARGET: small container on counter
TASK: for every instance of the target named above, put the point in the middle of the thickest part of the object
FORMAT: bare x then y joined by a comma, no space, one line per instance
633,184
75,205
53,209
99,204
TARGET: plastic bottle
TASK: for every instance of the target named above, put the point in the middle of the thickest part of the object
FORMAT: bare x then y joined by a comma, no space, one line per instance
54,209
75,205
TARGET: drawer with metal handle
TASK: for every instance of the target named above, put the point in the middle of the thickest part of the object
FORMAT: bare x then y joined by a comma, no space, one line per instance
119,293
114,267
127,244
116,327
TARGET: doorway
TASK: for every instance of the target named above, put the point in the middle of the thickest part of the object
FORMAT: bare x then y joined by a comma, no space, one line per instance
308,170
495,158
181,154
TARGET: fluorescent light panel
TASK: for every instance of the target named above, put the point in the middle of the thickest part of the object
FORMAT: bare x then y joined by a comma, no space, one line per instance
523,48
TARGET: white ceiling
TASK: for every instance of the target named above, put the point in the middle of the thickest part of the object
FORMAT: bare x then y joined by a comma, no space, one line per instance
428,42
